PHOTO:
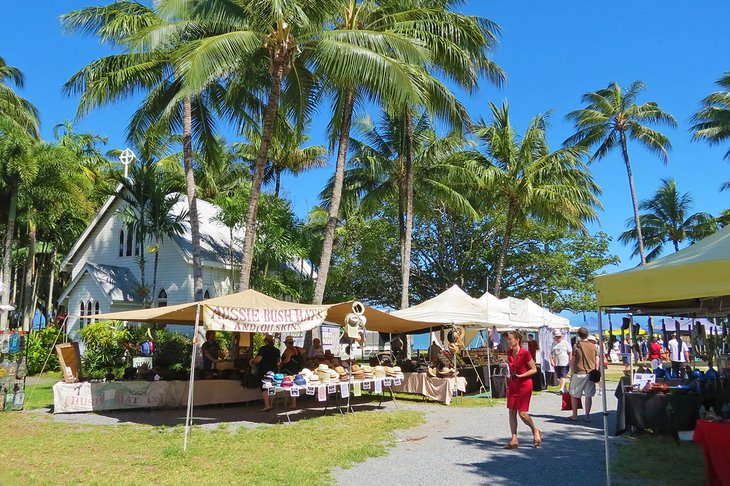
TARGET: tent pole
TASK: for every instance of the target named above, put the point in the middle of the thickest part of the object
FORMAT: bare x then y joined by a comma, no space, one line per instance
601,357
632,338
189,413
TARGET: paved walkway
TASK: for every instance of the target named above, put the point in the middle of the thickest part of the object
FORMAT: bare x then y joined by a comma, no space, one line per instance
463,446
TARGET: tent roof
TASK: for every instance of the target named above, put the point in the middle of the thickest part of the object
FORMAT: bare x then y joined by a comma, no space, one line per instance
692,280
251,299
497,310
526,314
452,306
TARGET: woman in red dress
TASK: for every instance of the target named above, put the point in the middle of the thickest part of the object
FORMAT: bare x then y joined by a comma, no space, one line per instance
519,390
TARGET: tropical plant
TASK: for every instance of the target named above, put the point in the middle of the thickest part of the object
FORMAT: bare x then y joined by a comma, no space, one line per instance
529,181
162,221
105,343
611,118
13,106
149,194
147,67
286,153
666,219
41,347
712,121
18,169
444,172
456,46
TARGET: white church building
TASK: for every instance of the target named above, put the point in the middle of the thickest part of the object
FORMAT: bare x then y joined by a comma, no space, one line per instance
104,271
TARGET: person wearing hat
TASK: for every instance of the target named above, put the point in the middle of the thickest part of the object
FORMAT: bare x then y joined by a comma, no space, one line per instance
560,358
292,361
268,360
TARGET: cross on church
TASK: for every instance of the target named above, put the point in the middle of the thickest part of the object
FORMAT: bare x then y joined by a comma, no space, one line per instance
126,158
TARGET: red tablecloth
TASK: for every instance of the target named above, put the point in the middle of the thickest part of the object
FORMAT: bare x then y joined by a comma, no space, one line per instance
715,440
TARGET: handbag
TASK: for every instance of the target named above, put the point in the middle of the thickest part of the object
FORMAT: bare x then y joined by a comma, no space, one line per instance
566,402
594,375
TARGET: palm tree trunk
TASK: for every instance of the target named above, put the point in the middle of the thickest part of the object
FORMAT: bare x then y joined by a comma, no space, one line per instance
637,219
505,249
401,218
334,211
676,245
192,198
51,280
8,255
406,260
277,186
29,274
267,133
154,274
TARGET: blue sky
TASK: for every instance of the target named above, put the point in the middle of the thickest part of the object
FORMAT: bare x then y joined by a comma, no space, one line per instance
552,52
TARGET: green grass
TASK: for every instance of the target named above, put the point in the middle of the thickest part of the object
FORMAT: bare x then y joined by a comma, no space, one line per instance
301,453
38,396
658,460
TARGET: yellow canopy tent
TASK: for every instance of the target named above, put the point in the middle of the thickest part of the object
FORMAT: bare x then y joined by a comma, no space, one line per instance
692,280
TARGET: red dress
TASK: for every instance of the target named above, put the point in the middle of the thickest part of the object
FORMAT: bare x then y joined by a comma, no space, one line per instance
519,391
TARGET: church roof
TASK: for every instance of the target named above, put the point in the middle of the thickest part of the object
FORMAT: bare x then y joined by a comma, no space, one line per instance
117,283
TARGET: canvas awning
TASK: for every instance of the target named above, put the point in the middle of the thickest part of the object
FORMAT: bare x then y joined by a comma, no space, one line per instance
692,280
252,311
452,306
526,314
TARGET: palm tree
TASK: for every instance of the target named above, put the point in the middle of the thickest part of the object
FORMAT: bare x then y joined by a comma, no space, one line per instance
146,68
610,119
457,47
15,107
18,168
162,222
286,153
712,121
283,43
667,219
530,181
443,170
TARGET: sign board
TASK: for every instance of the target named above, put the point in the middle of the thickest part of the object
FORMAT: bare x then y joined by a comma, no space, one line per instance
70,358
271,321
641,379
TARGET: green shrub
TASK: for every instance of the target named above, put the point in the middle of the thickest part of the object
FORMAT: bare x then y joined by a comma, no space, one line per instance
105,345
171,348
39,345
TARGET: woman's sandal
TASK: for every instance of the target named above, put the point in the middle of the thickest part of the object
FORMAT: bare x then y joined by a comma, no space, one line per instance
536,443
511,446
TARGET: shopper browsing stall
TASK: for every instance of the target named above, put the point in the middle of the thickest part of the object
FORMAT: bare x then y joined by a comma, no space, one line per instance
560,358
583,363
292,360
678,354
267,360
210,350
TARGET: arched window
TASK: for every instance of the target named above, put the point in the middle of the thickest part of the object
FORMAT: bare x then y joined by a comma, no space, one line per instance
162,298
206,295
88,311
121,242
130,239
96,308
82,309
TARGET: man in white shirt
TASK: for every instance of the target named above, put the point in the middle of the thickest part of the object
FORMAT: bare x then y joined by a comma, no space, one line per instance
678,354
560,358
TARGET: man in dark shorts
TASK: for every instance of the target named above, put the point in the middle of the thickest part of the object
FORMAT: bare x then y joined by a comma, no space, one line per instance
560,358
268,360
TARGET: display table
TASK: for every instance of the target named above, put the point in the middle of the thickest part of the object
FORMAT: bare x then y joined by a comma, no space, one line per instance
661,412
121,395
440,389
714,437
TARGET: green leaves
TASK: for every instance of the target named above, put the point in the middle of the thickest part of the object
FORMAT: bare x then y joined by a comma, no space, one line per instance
712,122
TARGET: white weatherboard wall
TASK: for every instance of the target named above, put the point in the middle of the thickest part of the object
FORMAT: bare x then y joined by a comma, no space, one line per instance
86,290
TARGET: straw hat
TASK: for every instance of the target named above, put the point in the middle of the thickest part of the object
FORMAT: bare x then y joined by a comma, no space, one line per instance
446,371
313,380
592,338
432,372
340,370
379,372
557,333
356,368
289,339
323,367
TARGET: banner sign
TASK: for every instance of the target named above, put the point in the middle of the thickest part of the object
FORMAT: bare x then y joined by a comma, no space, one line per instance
270,321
